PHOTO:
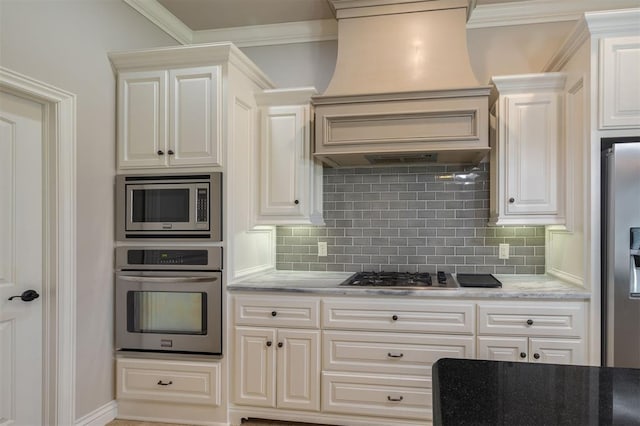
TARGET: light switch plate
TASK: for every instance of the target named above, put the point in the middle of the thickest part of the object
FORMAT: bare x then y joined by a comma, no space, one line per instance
322,249
503,251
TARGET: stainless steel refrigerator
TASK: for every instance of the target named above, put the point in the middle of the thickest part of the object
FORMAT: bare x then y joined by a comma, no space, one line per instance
621,252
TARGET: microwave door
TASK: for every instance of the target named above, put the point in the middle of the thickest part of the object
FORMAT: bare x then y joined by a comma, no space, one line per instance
157,207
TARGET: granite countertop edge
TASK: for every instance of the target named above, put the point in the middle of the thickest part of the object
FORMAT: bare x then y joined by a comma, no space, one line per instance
328,283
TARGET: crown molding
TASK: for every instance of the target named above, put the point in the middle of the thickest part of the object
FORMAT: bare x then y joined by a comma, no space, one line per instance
272,34
540,11
482,16
163,19
595,24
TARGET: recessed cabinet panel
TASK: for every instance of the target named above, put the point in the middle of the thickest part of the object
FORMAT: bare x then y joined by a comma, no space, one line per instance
556,351
298,382
141,118
620,85
502,348
283,156
532,154
194,108
371,395
255,374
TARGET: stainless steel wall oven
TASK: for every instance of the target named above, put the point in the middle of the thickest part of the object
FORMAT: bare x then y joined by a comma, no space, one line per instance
169,299
170,207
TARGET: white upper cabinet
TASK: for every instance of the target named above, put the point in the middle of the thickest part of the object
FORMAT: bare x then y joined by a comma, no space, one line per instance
194,117
527,186
620,82
169,118
290,189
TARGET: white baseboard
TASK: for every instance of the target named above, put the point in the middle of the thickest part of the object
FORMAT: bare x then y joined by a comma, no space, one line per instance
100,416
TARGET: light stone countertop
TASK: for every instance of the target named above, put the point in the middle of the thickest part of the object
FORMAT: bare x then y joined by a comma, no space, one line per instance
327,283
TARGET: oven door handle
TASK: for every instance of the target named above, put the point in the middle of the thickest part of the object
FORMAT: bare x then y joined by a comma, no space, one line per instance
167,279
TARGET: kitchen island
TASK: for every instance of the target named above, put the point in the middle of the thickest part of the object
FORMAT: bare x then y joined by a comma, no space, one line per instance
477,392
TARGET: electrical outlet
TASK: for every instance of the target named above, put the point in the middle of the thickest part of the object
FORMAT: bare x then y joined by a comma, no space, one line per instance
322,249
503,251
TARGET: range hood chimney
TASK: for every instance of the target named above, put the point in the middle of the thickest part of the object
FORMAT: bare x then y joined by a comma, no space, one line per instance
403,90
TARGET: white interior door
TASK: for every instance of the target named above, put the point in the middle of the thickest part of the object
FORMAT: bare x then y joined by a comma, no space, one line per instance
21,267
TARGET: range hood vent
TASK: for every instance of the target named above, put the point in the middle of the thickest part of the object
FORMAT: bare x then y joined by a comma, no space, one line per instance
403,90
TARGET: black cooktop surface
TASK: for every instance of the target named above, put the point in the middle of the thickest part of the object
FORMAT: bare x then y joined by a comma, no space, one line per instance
399,280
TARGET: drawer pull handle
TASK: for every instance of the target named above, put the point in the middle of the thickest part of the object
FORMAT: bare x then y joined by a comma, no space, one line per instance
536,356
161,383
274,313
390,355
529,322
395,399
395,318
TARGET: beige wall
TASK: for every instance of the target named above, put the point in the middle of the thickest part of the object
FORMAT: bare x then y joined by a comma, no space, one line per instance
65,43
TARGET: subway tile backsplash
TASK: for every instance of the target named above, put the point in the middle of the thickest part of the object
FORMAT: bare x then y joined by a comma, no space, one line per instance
410,218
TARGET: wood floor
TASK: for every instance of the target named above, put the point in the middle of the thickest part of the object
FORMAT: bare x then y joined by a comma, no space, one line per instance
247,423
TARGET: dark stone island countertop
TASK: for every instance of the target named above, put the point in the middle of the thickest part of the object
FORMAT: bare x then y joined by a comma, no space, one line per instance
476,392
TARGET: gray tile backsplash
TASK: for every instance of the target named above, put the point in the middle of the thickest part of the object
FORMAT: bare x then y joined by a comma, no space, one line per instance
410,218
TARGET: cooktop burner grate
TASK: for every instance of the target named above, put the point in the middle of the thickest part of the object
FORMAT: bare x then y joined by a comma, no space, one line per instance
400,280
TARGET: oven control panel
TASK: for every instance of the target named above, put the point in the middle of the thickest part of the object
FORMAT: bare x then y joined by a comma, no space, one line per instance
191,258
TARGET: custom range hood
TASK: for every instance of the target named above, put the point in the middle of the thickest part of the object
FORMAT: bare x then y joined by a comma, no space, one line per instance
403,91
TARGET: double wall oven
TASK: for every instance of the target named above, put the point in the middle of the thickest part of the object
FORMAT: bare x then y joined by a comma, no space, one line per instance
168,279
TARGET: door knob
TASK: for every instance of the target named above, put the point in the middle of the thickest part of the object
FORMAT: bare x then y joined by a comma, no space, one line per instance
27,296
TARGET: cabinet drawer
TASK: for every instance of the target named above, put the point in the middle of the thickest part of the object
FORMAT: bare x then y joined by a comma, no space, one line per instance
170,381
382,396
406,316
277,312
391,353
567,319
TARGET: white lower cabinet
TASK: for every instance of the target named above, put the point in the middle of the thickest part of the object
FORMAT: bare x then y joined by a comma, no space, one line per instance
551,332
277,368
277,352
525,349
368,360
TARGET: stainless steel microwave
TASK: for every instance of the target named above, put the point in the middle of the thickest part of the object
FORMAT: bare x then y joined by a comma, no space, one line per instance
169,207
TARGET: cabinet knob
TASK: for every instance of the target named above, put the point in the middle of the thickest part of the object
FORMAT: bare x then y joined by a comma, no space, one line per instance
529,322
296,202
512,200
269,343
523,355
160,152
280,344
274,313
395,318
170,152
536,356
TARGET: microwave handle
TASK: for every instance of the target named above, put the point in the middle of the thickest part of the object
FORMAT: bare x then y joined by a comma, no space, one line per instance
167,279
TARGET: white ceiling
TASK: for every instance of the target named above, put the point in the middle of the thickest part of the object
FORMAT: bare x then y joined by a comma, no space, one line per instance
201,15
270,22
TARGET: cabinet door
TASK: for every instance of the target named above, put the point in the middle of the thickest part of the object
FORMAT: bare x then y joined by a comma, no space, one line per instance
195,108
142,119
532,154
298,380
556,351
620,86
284,161
496,348
255,366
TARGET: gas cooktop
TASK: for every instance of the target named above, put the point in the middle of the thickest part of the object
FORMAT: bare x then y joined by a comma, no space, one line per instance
421,280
